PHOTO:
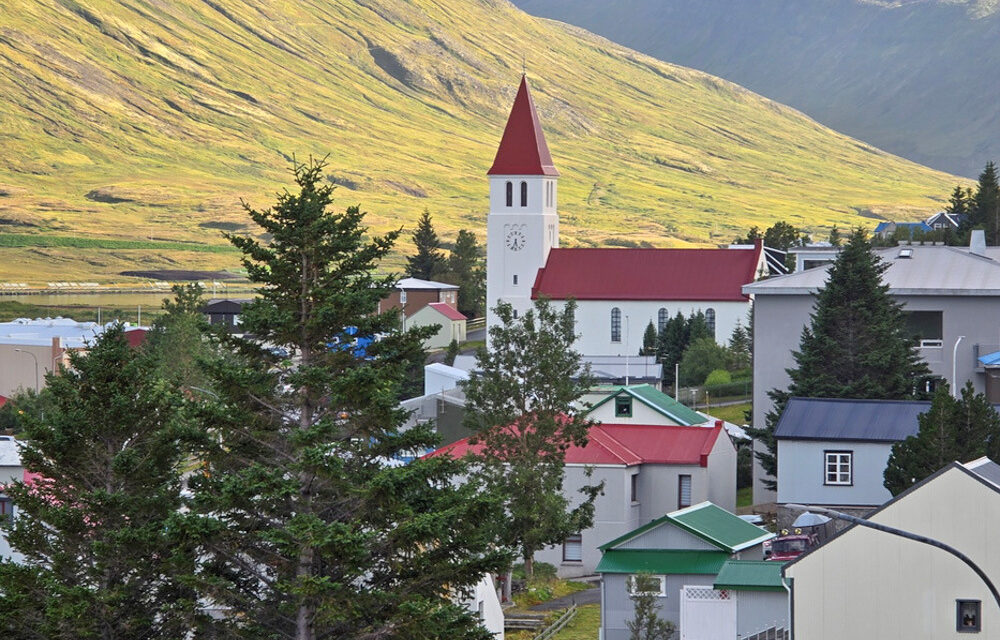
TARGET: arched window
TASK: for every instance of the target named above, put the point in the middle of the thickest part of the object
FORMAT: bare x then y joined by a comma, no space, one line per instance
710,321
616,325
510,194
524,194
661,319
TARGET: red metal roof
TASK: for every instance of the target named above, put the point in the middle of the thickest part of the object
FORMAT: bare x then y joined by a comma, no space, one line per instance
523,151
447,310
629,444
3,400
647,274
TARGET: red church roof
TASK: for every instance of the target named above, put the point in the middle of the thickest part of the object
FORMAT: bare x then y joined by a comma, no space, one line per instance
447,310
523,151
647,274
629,444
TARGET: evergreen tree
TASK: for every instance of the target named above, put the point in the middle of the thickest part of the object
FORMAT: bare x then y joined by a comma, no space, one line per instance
835,239
649,340
311,528
428,263
96,525
958,202
952,429
670,345
740,347
521,408
465,269
855,346
178,342
985,206
646,623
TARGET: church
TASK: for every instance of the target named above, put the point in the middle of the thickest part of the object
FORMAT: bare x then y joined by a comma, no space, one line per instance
618,291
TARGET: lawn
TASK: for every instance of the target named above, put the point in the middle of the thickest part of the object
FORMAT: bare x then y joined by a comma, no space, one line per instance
744,497
735,413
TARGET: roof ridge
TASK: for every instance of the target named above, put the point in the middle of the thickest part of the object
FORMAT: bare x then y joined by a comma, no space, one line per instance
637,459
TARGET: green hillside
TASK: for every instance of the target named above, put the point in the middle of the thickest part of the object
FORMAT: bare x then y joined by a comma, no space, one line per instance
146,121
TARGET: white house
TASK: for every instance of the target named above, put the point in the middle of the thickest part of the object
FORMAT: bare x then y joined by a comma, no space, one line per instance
452,324
619,291
10,470
865,583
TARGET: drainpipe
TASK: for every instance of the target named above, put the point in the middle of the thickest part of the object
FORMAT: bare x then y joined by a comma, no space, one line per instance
954,368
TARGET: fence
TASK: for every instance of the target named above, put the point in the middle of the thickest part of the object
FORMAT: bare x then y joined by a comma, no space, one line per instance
701,396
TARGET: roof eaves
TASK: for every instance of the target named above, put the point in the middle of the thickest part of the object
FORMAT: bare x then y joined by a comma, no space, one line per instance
635,532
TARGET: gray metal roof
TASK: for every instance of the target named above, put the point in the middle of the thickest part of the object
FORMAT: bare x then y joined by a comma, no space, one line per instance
849,419
985,468
929,270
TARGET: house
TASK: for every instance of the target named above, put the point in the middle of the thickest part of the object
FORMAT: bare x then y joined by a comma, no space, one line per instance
833,452
685,548
413,294
484,603
950,295
889,229
224,312
866,583
944,220
452,324
642,404
618,291
814,255
758,595
647,470
10,470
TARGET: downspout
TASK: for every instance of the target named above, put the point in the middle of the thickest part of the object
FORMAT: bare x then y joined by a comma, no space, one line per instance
791,608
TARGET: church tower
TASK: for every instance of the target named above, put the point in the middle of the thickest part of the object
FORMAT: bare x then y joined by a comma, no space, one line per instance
522,224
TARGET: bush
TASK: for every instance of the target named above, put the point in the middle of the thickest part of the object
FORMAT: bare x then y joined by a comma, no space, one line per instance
734,388
702,357
718,376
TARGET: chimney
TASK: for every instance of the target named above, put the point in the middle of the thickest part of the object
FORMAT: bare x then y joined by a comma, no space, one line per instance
977,243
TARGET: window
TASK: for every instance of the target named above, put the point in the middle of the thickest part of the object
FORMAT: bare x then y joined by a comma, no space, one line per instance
623,407
524,194
634,491
573,548
837,470
926,327
510,194
6,508
515,314
968,616
515,279
710,321
683,491
659,585
616,325
662,317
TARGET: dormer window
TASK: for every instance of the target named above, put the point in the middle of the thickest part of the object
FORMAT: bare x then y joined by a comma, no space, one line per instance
510,193
524,193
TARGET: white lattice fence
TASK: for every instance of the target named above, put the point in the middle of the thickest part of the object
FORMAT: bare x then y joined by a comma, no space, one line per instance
707,614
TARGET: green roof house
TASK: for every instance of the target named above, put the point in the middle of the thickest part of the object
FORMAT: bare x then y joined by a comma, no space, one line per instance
643,404
686,550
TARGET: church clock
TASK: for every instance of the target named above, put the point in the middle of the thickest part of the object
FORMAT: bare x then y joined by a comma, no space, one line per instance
516,239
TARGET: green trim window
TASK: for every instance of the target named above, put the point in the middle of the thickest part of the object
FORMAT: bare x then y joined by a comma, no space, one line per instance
623,407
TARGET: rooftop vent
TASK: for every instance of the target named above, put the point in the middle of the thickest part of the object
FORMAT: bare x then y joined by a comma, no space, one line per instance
906,253
977,243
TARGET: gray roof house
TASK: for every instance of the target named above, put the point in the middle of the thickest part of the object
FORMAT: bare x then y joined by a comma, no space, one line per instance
951,296
833,452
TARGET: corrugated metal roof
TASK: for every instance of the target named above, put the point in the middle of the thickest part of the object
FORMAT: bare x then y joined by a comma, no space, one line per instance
659,402
647,274
710,523
661,561
413,284
849,419
945,271
743,575
985,468
523,150
10,453
447,310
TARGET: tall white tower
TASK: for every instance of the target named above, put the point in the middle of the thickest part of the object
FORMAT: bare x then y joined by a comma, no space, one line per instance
523,223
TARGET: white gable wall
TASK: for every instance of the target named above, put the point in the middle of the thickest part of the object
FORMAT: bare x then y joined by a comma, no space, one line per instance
869,584
593,322
641,414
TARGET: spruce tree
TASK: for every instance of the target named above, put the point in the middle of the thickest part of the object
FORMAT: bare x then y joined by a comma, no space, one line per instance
522,409
648,340
96,526
986,204
952,429
465,269
957,202
670,345
646,623
428,263
856,344
312,526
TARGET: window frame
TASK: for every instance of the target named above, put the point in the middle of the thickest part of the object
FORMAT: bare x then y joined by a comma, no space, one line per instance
623,406
634,488
510,193
524,193
630,585
978,606
616,324
710,321
515,279
838,482
680,490
573,537
662,318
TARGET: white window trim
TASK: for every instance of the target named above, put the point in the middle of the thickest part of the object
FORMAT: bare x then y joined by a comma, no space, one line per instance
662,593
837,458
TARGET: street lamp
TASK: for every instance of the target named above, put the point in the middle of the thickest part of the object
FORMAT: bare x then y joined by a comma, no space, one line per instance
909,536
35,358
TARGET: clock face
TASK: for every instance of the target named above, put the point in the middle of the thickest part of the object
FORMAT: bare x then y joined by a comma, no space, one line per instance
516,240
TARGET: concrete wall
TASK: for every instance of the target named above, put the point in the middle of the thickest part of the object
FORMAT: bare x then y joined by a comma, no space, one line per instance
17,368
722,479
868,584
593,322
801,473
778,324
617,606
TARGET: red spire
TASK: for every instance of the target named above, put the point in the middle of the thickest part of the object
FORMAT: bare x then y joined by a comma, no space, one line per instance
523,151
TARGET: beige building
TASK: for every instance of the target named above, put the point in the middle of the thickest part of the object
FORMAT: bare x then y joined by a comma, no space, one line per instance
871,584
452,324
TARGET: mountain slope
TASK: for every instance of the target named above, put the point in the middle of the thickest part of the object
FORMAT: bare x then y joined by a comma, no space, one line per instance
147,121
913,78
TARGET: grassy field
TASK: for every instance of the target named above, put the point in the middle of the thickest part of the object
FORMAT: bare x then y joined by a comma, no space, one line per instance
735,413
132,131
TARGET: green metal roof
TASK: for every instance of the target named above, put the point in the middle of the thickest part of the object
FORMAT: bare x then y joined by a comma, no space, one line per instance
661,561
659,402
710,523
743,575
